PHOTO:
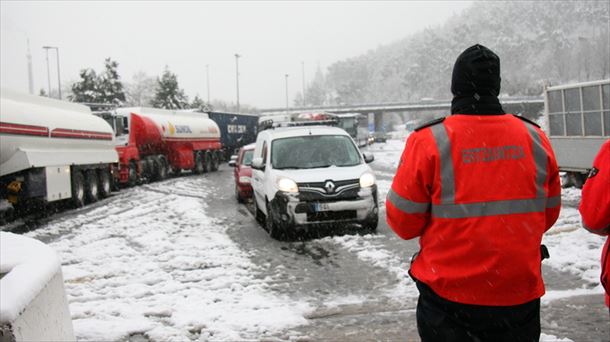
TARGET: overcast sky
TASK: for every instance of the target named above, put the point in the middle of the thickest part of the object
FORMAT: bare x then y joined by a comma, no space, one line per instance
273,38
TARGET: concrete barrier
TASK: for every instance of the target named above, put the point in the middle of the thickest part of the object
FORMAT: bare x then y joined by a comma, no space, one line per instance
33,304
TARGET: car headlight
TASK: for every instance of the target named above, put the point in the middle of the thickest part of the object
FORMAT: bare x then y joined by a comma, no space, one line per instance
244,179
287,185
366,180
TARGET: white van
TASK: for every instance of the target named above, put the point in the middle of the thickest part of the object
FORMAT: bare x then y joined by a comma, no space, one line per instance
307,176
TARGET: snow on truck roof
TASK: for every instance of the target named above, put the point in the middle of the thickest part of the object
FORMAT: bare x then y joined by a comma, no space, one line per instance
149,110
8,94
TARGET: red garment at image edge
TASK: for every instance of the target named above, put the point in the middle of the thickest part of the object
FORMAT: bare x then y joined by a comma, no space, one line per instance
595,207
479,191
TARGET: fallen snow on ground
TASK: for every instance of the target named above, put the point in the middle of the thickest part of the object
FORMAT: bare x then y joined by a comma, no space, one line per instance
153,263
370,249
553,338
572,248
387,155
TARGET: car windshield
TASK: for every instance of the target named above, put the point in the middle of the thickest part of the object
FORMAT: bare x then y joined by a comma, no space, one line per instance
247,160
307,152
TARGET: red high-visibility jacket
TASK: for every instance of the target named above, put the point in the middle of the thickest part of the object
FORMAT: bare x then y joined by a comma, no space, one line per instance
479,191
595,207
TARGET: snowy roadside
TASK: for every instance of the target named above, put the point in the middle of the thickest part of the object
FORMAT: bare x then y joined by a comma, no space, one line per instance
155,264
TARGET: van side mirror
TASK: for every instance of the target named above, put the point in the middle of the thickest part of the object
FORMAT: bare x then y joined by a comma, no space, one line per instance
368,158
258,164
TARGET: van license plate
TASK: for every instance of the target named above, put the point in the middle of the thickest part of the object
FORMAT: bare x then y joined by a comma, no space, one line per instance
321,207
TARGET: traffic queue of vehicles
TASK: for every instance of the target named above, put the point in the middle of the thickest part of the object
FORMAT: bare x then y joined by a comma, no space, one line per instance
57,151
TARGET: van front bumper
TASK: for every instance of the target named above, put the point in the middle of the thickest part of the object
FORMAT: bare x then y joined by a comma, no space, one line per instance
293,210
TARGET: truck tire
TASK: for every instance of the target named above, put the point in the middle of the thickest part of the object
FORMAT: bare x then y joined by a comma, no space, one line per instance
215,161
163,172
91,186
199,167
207,161
132,175
78,189
105,186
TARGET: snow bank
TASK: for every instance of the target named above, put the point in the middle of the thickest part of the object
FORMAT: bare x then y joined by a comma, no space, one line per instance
27,265
153,262
387,155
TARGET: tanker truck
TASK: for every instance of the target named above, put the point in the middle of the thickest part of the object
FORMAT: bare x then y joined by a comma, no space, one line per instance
51,151
152,143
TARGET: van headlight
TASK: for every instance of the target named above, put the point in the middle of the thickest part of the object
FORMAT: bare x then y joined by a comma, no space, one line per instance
287,185
367,179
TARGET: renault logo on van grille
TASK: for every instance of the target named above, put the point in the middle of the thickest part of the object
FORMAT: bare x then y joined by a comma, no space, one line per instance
330,187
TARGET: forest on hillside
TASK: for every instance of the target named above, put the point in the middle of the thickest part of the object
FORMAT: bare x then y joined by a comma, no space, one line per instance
539,42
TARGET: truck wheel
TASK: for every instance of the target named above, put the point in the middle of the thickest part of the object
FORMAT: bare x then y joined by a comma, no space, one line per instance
215,161
132,177
104,183
78,189
162,168
207,161
91,188
199,167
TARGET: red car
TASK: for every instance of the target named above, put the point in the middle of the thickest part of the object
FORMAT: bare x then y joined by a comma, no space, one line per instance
243,173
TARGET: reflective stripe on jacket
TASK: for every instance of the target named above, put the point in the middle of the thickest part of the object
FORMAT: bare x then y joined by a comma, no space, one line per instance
479,191
595,207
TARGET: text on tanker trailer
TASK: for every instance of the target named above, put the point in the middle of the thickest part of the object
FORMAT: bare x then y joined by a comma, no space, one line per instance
578,118
52,150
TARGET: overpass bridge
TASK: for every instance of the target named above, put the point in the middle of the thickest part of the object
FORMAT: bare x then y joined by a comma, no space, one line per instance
529,106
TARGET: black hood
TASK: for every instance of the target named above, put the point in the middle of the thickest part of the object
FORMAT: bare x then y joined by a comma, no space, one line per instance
475,83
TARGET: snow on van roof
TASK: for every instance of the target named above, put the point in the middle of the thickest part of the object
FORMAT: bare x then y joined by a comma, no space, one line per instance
26,266
293,131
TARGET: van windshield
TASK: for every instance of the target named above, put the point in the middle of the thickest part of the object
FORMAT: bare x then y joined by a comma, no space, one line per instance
308,152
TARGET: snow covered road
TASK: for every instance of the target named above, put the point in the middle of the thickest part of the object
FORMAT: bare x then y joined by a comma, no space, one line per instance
181,260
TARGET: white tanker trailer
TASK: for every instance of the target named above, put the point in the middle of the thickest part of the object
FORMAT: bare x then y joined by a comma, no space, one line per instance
52,150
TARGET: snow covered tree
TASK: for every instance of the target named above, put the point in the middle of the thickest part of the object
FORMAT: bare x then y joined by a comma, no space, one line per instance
109,85
86,90
316,94
167,94
141,90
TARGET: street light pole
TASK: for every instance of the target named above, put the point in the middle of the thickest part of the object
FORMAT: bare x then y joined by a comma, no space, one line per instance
303,77
237,77
286,93
48,71
58,71
207,72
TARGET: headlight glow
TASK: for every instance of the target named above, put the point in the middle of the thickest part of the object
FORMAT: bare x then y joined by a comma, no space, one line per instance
244,179
287,185
366,180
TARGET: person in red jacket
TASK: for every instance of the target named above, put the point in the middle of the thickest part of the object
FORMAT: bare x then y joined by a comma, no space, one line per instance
595,207
479,188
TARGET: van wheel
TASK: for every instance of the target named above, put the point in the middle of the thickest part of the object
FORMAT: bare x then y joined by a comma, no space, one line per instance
104,183
370,225
271,225
199,167
78,189
258,214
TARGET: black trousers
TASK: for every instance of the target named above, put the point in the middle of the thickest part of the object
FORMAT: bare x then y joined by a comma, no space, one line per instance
441,320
